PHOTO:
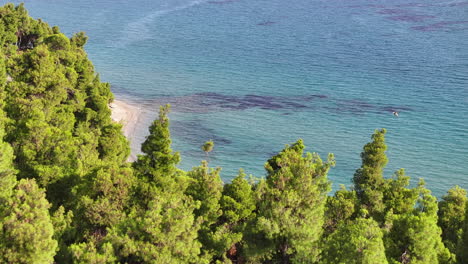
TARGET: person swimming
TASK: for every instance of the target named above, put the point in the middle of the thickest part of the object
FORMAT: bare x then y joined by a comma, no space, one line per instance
395,113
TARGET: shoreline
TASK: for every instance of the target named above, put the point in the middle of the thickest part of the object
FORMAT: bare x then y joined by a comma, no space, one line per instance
129,116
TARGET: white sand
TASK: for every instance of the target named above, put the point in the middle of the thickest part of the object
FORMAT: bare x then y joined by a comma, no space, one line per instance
136,117
129,116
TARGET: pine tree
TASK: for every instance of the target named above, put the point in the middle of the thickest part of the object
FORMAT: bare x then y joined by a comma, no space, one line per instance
339,208
104,198
206,188
290,209
208,147
26,234
452,216
26,230
237,205
161,226
164,233
355,242
368,180
3,76
157,167
398,197
414,237
237,202
159,161
59,122
462,248
7,171
64,233
90,253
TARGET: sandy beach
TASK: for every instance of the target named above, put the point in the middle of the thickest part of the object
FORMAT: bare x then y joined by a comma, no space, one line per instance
129,116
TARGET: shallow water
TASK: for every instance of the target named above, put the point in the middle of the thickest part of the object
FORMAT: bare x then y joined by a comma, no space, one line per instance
254,75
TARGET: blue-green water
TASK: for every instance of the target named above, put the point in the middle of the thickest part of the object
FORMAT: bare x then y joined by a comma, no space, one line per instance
254,75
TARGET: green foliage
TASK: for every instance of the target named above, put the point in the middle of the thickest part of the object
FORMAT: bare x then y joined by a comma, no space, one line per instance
90,253
290,207
414,237
359,241
237,205
7,172
157,146
408,216
158,165
104,198
208,146
164,233
368,180
58,122
57,42
462,249
15,25
156,170
339,208
206,188
160,226
3,75
398,198
452,209
110,149
26,234
57,104
237,202
60,126
64,232
79,39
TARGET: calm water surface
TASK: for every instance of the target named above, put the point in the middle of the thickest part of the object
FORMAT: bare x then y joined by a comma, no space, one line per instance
254,75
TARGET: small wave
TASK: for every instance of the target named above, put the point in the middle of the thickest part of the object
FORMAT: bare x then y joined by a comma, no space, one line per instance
443,4
465,3
221,2
444,25
138,30
266,23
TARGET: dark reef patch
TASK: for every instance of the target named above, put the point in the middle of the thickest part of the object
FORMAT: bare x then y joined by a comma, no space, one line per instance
266,23
392,11
313,96
411,18
209,102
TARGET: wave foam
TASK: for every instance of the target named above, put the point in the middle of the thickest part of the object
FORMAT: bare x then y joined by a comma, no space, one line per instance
139,30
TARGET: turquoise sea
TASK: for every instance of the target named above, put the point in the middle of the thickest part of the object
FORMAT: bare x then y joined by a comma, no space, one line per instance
254,75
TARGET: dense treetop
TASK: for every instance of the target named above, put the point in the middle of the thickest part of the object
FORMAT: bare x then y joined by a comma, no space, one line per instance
68,194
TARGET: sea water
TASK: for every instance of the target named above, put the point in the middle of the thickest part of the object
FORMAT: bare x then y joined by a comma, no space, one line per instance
253,75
